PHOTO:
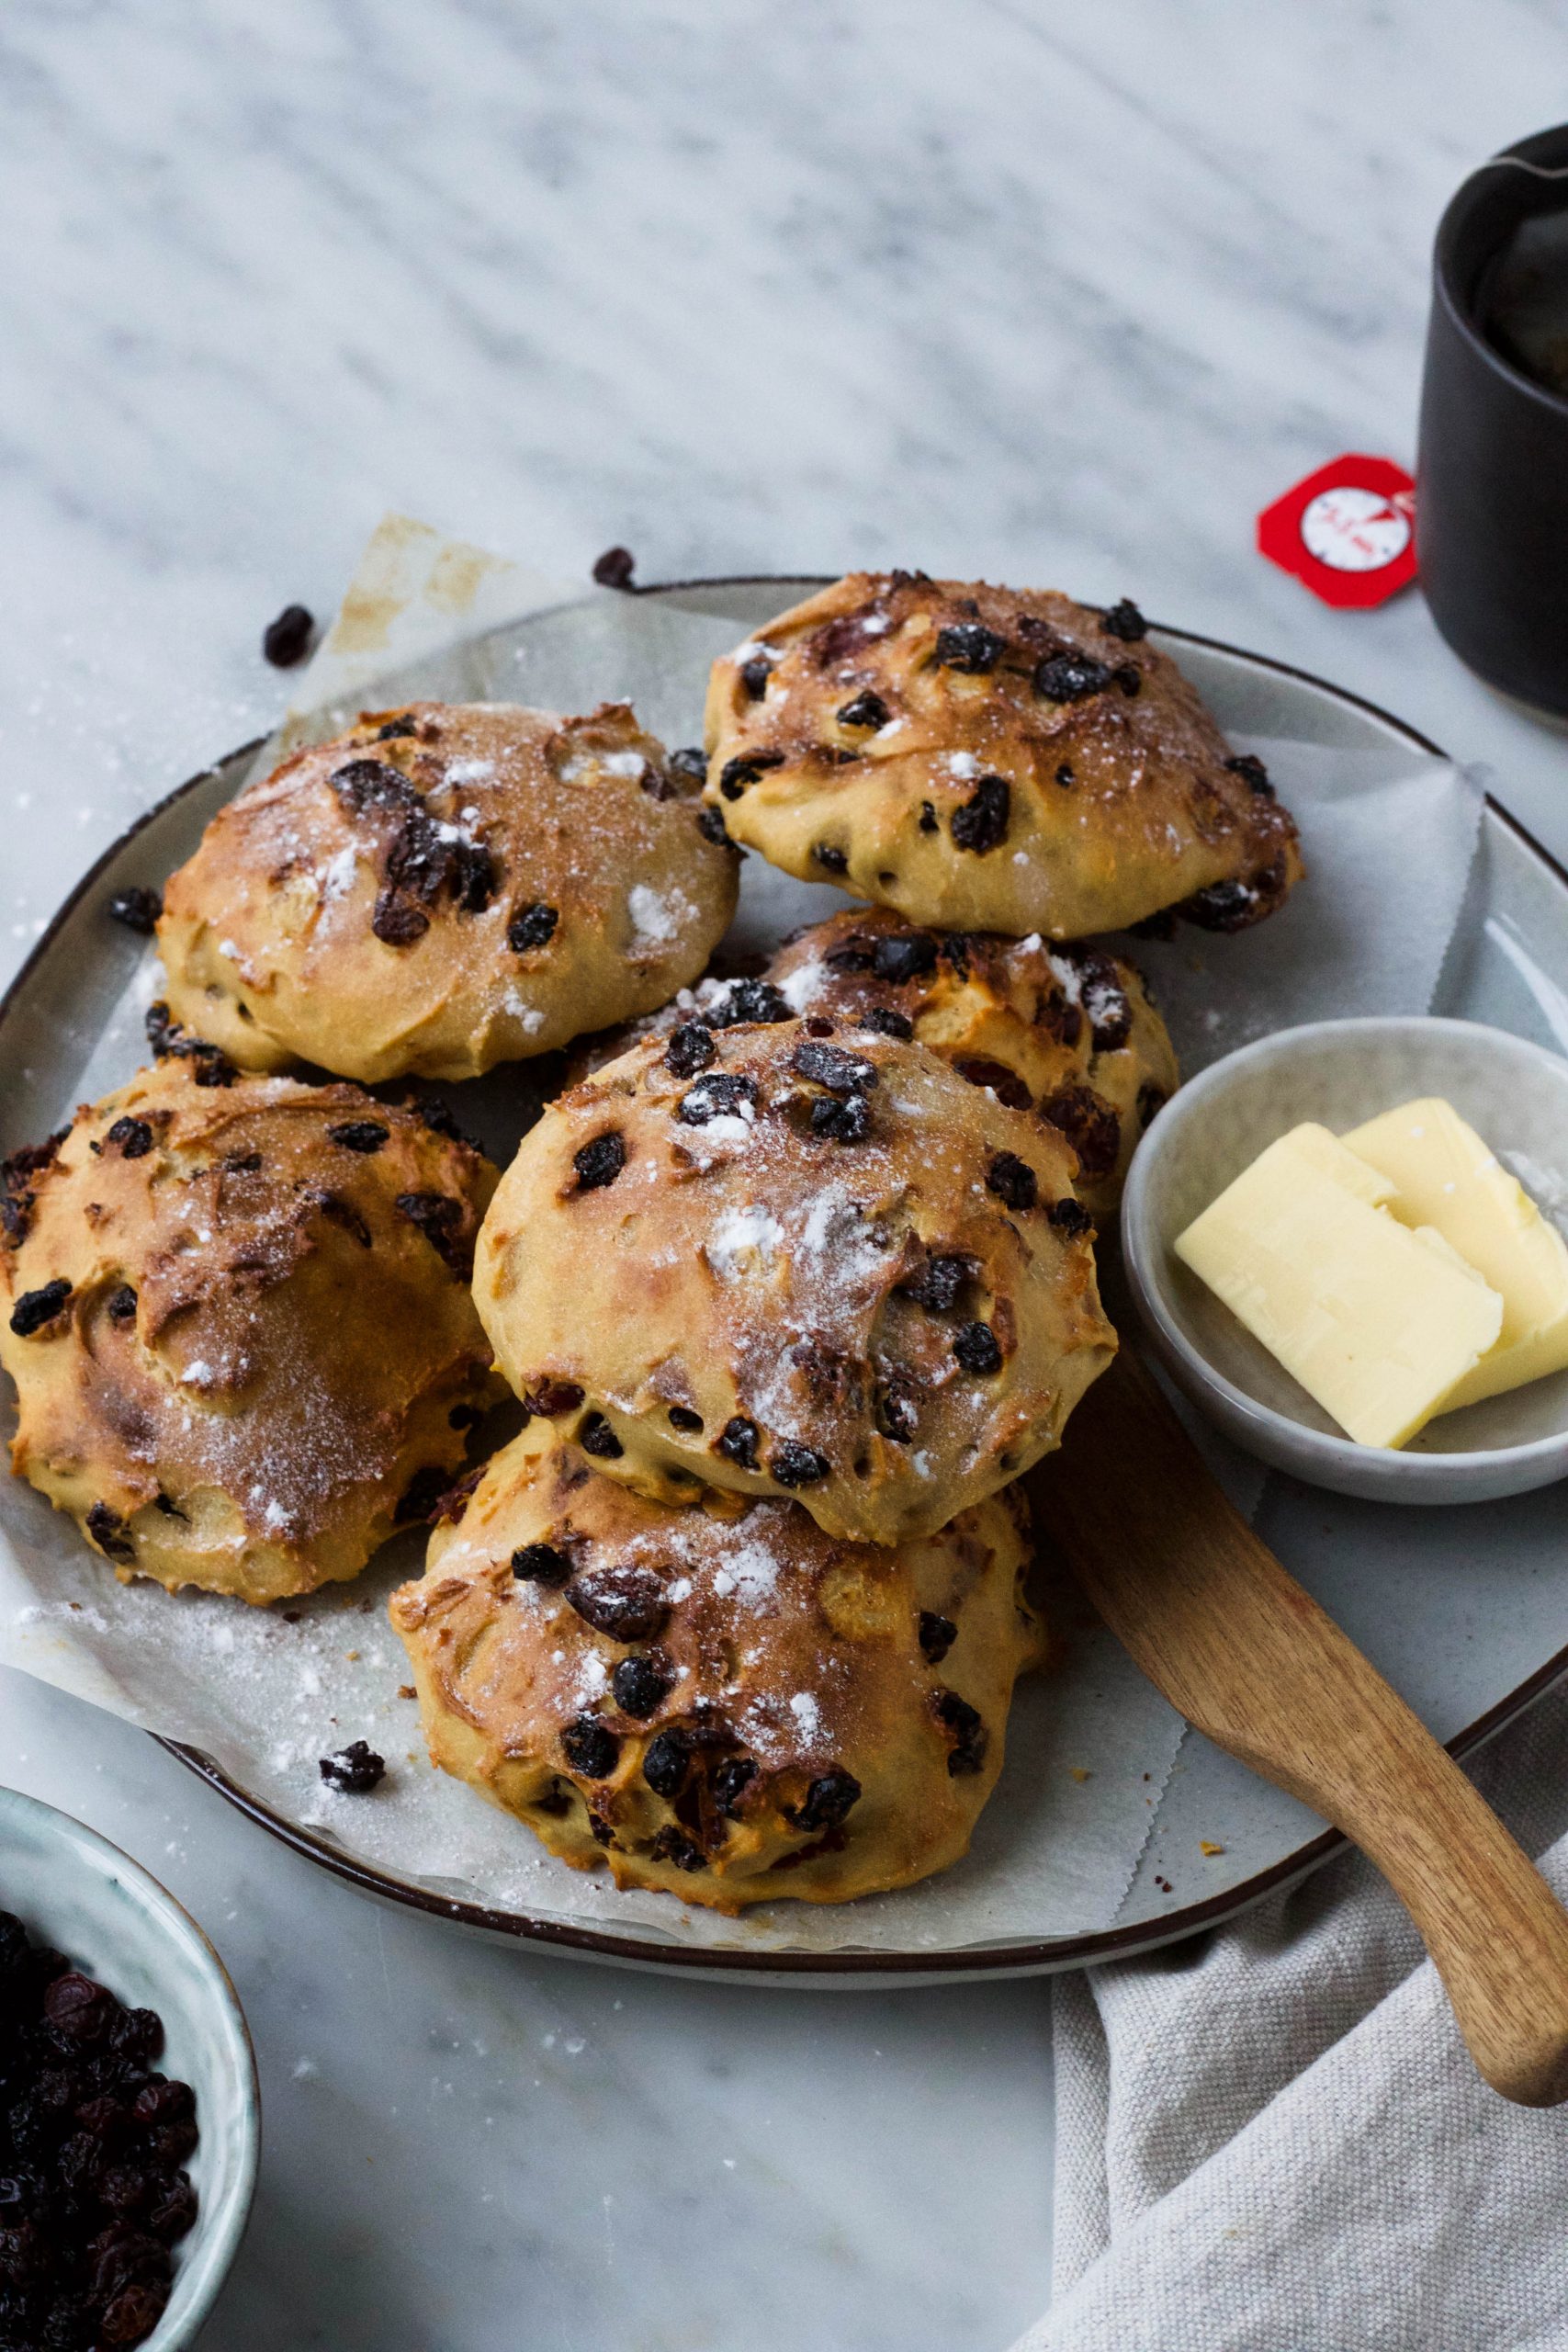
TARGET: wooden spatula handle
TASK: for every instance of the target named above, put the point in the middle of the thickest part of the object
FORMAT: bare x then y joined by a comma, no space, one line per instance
1248,1657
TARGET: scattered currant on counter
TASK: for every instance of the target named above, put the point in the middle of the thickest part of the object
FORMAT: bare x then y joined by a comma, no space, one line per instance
93,2146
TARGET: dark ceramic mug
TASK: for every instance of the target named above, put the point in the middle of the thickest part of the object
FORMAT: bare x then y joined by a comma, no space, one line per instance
1491,479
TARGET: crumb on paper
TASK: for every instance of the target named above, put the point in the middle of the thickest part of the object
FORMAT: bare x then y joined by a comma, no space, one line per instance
1079,1771
407,1691
1207,1846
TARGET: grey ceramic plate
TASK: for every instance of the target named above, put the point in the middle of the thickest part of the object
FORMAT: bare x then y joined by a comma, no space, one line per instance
1466,1611
74,1890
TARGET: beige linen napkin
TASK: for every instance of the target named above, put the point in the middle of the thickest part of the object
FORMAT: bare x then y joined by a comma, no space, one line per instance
1271,2139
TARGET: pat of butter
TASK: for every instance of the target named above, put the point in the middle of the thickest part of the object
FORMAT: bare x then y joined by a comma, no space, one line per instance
1444,1175
1378,1322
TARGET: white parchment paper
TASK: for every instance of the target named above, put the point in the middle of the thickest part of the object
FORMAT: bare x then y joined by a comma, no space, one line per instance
1389,839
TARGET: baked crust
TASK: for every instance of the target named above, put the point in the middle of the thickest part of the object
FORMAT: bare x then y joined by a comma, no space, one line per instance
990,758
447,887
770,1669
239,1338
787,1262
1069,1031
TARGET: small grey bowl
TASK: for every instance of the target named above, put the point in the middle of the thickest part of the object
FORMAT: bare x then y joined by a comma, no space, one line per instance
74,1890
1341,1072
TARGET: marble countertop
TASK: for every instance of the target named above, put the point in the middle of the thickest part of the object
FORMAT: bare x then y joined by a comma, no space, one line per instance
1060,294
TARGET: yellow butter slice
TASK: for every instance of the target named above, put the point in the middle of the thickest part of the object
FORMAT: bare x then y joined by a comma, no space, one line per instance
1378,1322
1446,1176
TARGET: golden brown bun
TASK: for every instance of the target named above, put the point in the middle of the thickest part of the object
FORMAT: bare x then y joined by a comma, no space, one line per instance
986,758
446,888
722,1702
239,1323
1069,1031
864,1280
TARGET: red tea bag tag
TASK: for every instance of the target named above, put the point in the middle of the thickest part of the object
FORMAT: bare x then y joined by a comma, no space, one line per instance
1349,530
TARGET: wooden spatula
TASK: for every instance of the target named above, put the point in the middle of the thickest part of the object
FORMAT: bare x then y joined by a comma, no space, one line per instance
1248,1657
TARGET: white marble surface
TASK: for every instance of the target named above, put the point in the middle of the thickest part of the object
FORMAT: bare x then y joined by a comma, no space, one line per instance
1051,292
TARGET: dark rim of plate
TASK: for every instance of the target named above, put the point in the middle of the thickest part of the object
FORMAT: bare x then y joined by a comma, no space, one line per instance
826,1968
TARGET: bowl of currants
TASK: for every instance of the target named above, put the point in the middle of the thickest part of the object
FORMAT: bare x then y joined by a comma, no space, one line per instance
129,2123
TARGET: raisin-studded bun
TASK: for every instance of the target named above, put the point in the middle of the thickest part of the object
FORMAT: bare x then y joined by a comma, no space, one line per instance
985,759
237,1314
446,888
793,1258
720,1701
1069,1031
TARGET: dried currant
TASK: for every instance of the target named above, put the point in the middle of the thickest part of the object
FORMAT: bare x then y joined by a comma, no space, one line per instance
978,1349
937,1636
738,1442
897,1408
1071,677
841,1122
137,907
827,1802
690,1048
904,957
1012,1181
981,824
937,1284
1090,1126
747,1001
721,1094
794,1464
963,1721
107,1530
1069,1216
968,645
832,1067
672,1843
439,1218
532,926
665,1764
596,1437
548,1397
1125,620
363,1136
1253,774
627,1603
286,639
640,1686
396,922
590,1749
615,568
540,1564
747,767
729,1779
354,1771
35,1309
865,709
600,1162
